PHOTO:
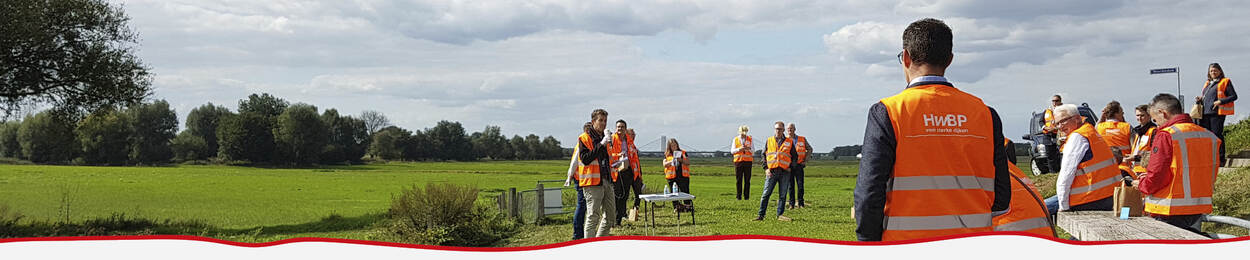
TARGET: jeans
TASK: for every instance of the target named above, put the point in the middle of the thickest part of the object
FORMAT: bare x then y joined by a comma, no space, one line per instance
796,184
579,215
742,174
1052,205
782,182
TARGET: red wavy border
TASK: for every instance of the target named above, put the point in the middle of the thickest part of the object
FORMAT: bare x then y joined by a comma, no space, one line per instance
611,238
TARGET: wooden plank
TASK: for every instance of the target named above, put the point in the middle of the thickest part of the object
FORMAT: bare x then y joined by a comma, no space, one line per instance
1104,225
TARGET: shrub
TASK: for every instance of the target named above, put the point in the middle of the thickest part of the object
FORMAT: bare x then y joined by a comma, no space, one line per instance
446,214
8,221
1237,137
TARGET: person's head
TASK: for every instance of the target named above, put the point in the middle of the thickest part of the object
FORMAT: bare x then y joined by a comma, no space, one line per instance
742,130
672,146
621,126
1143,114
1163,106
1112,111
587,127
1056,100
780,127
599,119
1214,71
790,129
631,133
1067,118
927,47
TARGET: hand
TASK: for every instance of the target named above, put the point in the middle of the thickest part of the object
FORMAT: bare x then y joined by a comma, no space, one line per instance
1217,102
1198,98
607,137
1128,160
768,173
1135,182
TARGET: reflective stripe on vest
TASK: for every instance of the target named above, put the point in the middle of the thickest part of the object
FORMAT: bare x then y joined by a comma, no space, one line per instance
587,174
942,180
1194,173
746,156
1028,211
1118,135
778,157
670,171
1025,224
1095,178
800,149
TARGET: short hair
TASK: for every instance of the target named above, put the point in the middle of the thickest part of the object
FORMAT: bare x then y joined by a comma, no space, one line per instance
1166,102
1065,111
598,112
621,121
783,124
1143,108
743,129
792,125
1057,95
1111,110
928,41
587,127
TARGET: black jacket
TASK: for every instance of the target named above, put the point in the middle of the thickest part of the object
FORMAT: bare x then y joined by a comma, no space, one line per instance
598,152
877,166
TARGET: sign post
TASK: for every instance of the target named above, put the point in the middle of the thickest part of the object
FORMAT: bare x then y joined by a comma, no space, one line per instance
1177,71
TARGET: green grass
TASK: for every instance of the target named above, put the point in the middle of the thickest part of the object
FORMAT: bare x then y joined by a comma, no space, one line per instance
263,204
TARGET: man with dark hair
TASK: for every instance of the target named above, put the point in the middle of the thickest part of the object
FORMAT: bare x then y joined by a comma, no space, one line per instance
622,157
1180,177
906,190
593,162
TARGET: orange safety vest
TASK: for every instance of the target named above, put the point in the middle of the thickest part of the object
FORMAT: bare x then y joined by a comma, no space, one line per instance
1195,161
1117,135
746,156
633,160
1050,116
943,175
778,157
614,153
1140,144
1028,211
587,174
1222,109
800,148
670,171
1096,178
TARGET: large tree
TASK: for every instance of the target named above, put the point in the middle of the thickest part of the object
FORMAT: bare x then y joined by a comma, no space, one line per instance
245,137
300,134
388,143
9,147
103,137
450,141
202,122
154,125
48,137
263,104
72,54
348,138
374,121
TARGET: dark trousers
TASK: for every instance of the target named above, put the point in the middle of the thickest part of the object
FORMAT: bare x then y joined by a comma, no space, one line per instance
1215,123
796,184
622,189
1052,205
683,185
782,182
742,172
579,215
1187,222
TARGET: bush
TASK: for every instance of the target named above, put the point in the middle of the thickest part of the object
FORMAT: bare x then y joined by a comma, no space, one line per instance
9,147
103,138
1237,137
8,221
190,147
446,214
48,137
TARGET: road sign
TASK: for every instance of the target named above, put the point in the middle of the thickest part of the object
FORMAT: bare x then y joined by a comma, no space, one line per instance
1163,70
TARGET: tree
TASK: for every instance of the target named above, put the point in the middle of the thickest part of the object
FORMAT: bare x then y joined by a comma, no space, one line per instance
154,124
47,137
374,121
450,142
552,149
490,143
103,137
246,136
388,143
9,147
74,54
187,147
419,146
520,150
264,104
202,122
348,138
535,147
300,135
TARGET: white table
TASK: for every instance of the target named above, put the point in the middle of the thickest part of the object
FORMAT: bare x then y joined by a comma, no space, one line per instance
651,199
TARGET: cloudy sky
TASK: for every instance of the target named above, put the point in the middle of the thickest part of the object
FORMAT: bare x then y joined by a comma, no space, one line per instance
692,70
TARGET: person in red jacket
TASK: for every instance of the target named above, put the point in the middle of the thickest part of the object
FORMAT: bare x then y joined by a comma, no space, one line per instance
1161,185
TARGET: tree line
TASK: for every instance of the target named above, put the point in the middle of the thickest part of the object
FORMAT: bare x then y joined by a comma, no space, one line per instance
263,129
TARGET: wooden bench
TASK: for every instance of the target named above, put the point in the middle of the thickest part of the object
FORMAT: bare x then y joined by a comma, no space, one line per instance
1104,226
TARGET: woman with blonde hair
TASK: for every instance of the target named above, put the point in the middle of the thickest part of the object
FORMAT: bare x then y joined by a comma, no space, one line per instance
677,171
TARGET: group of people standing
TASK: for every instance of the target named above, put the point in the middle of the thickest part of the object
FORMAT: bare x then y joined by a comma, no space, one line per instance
786,157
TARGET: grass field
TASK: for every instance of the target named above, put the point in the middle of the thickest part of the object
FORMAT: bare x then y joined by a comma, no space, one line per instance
262,204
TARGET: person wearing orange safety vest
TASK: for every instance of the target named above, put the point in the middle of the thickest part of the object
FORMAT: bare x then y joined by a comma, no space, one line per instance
1028,212
933,162
1136,161
636,165
1180,177
593,162
1217,102
623,157
1114,130
803,150
744,153
579,212
1088,174
779,152
1047,127
677,171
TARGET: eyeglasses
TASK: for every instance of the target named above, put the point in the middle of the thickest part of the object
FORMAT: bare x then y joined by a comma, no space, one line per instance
900,57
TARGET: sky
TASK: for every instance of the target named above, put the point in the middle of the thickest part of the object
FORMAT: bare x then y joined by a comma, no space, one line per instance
690,70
